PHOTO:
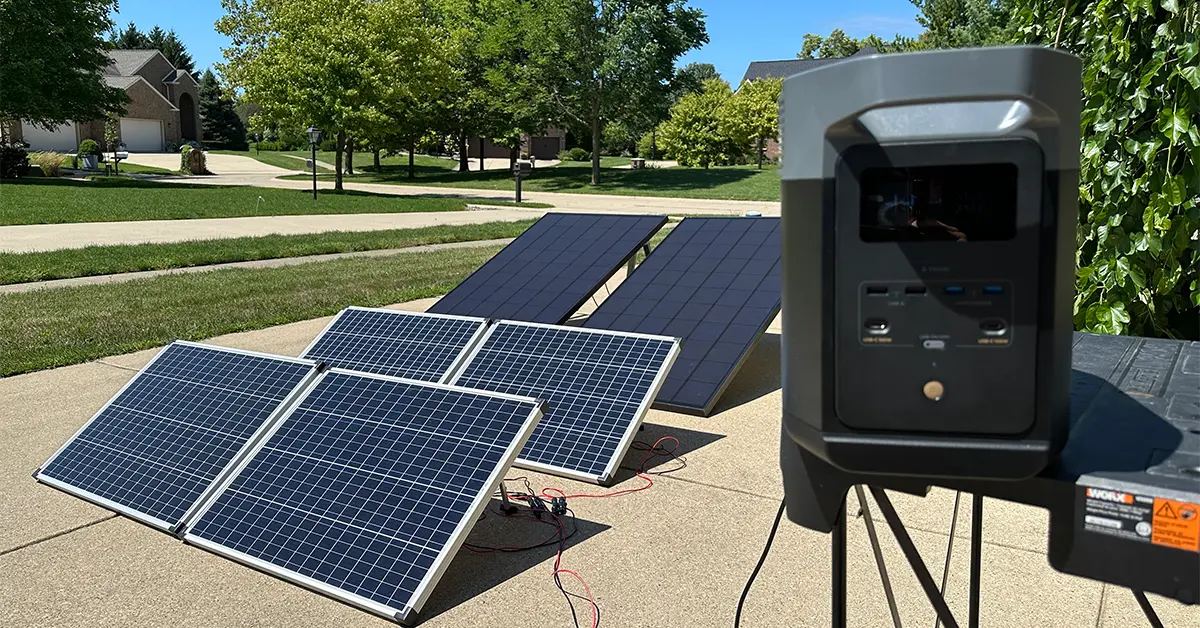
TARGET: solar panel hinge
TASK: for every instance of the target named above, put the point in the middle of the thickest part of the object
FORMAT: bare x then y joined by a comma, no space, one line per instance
321,367
179,529
36,472
406,617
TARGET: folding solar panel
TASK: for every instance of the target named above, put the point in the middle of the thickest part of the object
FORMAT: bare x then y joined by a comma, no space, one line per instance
411,345
366,489
715,283
548,272
598,386
154,449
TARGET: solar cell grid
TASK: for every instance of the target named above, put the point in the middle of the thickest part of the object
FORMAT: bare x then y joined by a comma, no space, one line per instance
412,345
716,283
548,272
162,441
368,486
598,386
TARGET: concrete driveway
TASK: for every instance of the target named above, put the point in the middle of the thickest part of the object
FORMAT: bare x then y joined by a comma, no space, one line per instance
218,164
676,554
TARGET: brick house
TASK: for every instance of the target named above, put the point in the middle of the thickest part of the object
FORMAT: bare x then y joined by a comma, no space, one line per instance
162,109
784,68
545,146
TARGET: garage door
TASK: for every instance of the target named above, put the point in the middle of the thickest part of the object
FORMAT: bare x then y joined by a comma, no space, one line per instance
60,139
142,136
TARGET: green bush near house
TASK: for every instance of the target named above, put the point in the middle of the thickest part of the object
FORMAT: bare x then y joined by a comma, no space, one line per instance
89,147
575,154
14,161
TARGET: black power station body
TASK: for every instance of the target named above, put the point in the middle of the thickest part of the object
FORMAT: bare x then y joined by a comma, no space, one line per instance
929,210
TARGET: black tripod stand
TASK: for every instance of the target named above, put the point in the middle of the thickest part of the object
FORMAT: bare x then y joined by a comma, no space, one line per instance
935,594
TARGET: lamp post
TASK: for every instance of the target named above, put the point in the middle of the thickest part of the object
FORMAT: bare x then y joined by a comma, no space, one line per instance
314,138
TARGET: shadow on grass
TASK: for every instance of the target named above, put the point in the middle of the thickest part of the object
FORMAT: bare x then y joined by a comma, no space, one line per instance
471,574
113,182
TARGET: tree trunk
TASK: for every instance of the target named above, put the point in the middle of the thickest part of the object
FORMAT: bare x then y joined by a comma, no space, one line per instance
596,141
482,166
462,151
412,160
760,153
350,156
376,160
337,166
654,144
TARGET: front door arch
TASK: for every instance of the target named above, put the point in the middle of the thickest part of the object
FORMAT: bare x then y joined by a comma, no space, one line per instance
187,117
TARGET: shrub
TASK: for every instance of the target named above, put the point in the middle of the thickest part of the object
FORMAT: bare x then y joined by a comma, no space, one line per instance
89,147
575,154
650,146
172,147
14,161
617,140
268,146
50,163
327,145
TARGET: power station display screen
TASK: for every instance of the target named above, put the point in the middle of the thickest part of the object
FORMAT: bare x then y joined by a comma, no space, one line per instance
967,203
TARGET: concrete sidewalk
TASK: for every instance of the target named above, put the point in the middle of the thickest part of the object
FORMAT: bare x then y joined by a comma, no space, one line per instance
30,238
676,554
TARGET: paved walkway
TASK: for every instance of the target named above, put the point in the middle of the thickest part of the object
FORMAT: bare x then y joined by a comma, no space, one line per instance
30,238
676,554
262,263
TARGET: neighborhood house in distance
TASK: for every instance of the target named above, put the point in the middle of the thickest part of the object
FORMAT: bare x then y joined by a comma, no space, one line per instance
162,107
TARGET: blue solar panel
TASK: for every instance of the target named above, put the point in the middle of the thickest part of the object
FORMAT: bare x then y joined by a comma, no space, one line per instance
715,283
410,345
598,386
368,487
548,272
162,441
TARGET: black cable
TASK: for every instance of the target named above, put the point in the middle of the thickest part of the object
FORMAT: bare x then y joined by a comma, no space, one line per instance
737,617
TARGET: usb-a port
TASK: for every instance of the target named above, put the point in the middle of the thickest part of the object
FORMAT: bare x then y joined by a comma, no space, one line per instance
877,291
914,291
954,290
993,289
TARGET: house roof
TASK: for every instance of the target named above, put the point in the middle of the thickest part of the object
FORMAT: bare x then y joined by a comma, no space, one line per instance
174,76
128,62
123,82
787,67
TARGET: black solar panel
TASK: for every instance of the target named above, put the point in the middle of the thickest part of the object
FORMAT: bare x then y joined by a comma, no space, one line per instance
160,443
366,490
715,283
548,272
598,386
412,345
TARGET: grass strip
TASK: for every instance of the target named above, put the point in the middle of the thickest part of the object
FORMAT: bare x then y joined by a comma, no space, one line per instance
47,201
51,328
107,260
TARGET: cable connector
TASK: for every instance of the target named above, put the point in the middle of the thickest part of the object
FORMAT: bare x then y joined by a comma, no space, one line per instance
558,505
537,506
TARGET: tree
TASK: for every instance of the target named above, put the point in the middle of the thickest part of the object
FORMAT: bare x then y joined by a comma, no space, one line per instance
838,44
693,136
752,114
964,23
597,61
53,61
166,42
346,73
1139,180
690,78
220,118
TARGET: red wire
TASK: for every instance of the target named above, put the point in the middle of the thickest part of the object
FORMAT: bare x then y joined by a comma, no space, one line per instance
586,588
641,467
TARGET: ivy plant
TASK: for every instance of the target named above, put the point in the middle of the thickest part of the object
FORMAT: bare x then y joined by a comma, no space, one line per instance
1139,183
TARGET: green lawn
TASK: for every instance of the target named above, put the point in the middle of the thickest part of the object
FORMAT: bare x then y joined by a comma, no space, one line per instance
128,168
272,158
104,260
49,328
423,164
743,183
41,201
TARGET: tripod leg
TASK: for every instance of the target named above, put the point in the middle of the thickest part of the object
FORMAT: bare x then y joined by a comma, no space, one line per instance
883,574
1148,610
976,558
949,551
914,557
838,558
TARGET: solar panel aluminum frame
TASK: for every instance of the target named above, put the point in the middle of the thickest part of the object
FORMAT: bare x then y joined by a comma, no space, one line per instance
483,324
250,444
733,373
609,475
406,616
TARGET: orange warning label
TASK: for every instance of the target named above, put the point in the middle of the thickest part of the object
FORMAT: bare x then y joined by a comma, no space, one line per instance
1176,524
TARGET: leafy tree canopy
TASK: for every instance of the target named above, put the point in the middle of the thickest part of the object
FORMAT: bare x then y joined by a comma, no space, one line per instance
752,114
694,135
53,60
690,78
839,44
166,42
965,23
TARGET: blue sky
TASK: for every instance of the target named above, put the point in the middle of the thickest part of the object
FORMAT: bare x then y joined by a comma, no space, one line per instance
740,31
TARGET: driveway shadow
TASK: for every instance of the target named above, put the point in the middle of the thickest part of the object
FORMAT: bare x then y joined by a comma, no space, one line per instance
758,377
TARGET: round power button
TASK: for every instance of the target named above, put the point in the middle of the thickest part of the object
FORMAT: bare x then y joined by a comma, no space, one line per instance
933,390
